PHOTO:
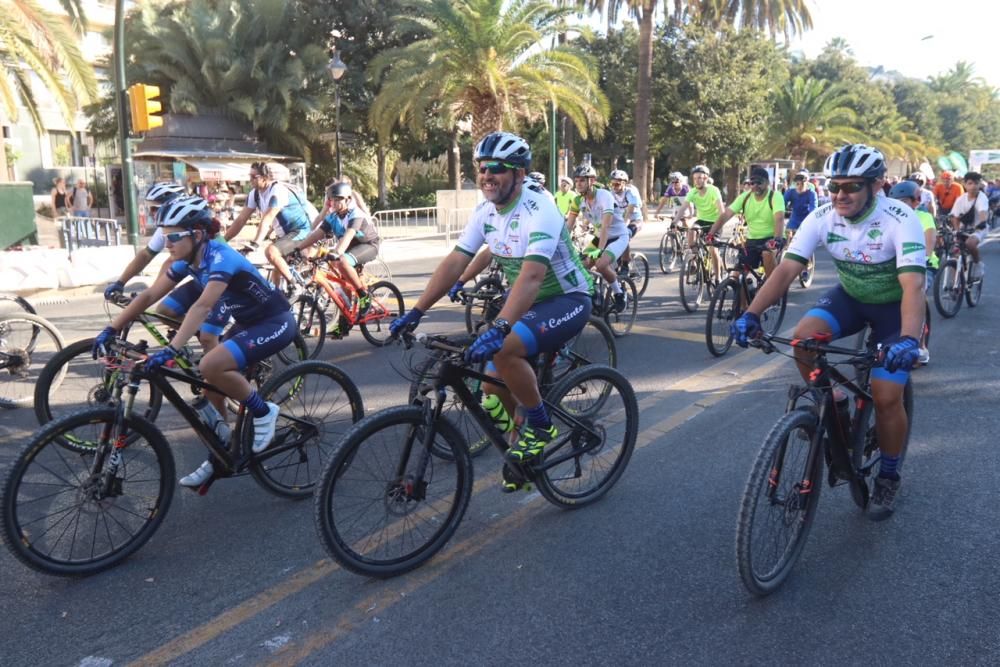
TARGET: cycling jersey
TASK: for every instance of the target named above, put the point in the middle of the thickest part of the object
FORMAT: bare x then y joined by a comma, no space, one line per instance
801,205
671,191
869,253
629,196
532,229
926,199
593,211
183,297
759,213
706,205
364,228
564,200
927,222
292,217
248,297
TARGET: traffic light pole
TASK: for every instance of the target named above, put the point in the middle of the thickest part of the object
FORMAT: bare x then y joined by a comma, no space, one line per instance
121,104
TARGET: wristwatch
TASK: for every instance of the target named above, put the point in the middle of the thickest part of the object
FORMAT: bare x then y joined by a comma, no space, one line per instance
502,324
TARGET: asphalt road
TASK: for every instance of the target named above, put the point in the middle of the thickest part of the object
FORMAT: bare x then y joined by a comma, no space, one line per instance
646,576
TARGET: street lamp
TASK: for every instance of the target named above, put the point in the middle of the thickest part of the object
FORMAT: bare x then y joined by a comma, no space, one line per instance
337,69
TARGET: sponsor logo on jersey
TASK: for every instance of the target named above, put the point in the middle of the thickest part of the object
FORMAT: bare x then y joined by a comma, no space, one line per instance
857,256
824,301
555,322
487,228
277,334
912,247
515,222
531,204
834,238
538,236
530,315
874,234
501,248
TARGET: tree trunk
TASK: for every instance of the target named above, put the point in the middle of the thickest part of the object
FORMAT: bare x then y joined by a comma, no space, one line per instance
642,100
383,194
4,176
454,162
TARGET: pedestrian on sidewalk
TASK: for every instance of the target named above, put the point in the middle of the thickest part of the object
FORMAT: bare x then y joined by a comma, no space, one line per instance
81,200
59,198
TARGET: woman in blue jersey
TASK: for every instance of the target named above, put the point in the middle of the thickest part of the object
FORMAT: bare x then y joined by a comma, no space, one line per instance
264,323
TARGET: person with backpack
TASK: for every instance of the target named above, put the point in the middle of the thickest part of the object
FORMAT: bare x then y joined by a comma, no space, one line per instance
764,211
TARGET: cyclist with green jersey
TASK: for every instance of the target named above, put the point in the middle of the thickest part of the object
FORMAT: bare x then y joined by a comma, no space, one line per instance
764,211
706,201
549,300
909,192
878,249
597,206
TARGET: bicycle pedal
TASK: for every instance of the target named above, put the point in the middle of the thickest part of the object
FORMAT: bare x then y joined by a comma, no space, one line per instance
203,489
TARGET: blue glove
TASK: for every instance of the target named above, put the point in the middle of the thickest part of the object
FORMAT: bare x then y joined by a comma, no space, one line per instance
117,287
746,327
484,347
902,354
100,347
153,362
406,322
455,289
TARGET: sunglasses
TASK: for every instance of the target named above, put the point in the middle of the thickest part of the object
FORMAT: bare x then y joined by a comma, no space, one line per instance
339,198
847,188
615,180
756,183
174,237
496,168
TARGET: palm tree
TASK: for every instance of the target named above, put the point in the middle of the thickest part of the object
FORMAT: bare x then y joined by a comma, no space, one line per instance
956,80
811,116
33,40
785,17
492,60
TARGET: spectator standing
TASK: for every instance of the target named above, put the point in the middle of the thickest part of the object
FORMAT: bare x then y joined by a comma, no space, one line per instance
81,200
565,195
59,203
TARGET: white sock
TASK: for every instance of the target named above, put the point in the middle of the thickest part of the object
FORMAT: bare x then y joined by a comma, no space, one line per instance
616,287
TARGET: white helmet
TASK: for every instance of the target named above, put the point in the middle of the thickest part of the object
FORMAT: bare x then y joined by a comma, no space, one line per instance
184,212
504,146
160,193
676,176
855,161
618,175
701,169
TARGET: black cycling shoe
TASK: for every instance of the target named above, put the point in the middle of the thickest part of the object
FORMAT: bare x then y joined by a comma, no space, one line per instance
512,481
883,500
620,302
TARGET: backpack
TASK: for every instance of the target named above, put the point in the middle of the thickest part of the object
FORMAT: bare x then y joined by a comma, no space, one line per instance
770,200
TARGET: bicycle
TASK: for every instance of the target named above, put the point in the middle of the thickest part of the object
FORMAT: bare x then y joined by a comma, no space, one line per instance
697,274
637,269
113,486
731,299
330,295
954,278
782,492
595,344
388,502
80,375
23,350
484,300
619,321
673,245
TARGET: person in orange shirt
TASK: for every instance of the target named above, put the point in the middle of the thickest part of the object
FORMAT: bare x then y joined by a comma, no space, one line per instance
946,192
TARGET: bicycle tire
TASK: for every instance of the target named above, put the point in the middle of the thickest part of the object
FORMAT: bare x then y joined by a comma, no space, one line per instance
377,271
25,543
973,288
774,315
947,302
797,509
669,252
638,271
621,323
294,472
692,283
808,274
311,323
481,305
22,355
573,395
723,310
595,344
72,362
20,304
925,331
356,547
387,305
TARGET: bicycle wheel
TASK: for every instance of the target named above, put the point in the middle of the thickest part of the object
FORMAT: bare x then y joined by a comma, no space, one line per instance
454,409
311,322
377,270
871,455
11,304
63,517
949,284
27,343
973,288
723,310
638,271
808,273
670,252
85,382
621,323
692,283
387,305
595,344
386,505
773,315
779,503
598,421
482,304
318,404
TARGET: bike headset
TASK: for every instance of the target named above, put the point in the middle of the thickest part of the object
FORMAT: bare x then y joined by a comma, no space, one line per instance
509,148
191,213
857,161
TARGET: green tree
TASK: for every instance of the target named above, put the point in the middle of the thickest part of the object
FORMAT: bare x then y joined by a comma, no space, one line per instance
811,117
491,60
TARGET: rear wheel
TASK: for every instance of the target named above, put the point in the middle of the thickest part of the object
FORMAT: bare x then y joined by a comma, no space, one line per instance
311,323
692,283
377,271
808,273
973,289
621,322
773,315
948,287
27,344
387,305
482,304
670,252
595,344
722,312
638,271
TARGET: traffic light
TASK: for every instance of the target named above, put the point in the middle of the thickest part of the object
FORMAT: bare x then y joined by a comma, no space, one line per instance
144,106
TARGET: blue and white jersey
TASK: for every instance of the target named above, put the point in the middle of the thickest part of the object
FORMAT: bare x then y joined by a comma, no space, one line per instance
364,228
292,217
629,196
248,297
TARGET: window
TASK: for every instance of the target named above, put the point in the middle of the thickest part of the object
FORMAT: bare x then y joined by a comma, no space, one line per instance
62,148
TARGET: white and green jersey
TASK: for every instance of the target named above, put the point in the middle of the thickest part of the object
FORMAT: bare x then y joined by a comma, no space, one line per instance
869,253
593,211
531,228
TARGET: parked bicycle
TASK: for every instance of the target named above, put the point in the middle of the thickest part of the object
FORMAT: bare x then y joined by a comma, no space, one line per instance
389,501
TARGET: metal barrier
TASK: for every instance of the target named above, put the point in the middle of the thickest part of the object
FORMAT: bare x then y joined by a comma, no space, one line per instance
89,232
416,223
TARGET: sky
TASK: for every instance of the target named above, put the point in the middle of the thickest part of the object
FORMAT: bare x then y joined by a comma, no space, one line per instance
891,33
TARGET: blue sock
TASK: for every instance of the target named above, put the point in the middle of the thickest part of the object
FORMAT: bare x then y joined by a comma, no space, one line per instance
538,416
256,404
888,467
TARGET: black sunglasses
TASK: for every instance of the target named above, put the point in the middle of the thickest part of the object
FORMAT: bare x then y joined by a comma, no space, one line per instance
848,188
496,168
756,182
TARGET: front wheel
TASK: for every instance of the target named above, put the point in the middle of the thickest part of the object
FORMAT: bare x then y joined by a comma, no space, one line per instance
973,289
387,305
311,322
723,310
638,272
807,274
779,503
670,252
949,284
692,283
76,513
386,504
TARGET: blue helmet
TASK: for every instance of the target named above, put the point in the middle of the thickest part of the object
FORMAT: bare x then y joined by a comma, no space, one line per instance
905,190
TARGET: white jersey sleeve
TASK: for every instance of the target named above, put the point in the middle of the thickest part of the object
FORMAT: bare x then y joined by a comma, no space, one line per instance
157,242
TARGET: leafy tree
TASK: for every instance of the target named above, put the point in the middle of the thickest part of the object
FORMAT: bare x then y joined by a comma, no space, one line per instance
811,117
918,104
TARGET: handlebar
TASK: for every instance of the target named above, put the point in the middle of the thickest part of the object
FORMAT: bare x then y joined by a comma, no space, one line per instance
820,345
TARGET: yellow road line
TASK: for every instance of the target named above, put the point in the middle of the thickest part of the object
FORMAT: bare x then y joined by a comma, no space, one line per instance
669,333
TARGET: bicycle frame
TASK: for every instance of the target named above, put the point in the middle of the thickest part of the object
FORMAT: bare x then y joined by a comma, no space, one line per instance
326,278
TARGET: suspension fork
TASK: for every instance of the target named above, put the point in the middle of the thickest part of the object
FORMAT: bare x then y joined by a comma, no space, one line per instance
414,483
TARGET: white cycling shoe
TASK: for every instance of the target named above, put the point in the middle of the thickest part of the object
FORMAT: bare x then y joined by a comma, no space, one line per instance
199,476
263,428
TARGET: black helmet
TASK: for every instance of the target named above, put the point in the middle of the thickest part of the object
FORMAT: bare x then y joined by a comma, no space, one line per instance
584,171
339,190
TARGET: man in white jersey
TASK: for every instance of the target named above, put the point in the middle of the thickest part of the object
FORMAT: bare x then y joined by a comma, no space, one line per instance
549,299
597,206
878,248
969,214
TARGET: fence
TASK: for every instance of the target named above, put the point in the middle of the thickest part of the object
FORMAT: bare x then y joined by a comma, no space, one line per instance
421,223
89,232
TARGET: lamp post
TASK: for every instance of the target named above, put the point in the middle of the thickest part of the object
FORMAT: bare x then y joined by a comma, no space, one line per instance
337,69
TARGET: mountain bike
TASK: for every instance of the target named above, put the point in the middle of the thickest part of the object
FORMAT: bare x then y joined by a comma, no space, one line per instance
388,502
673,245
731,299
954,278
27,343
77,509
697,275
619,321
484,301
637,269
782,492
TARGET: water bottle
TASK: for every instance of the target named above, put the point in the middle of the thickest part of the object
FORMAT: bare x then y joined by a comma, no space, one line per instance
843,414
343,295
211,417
